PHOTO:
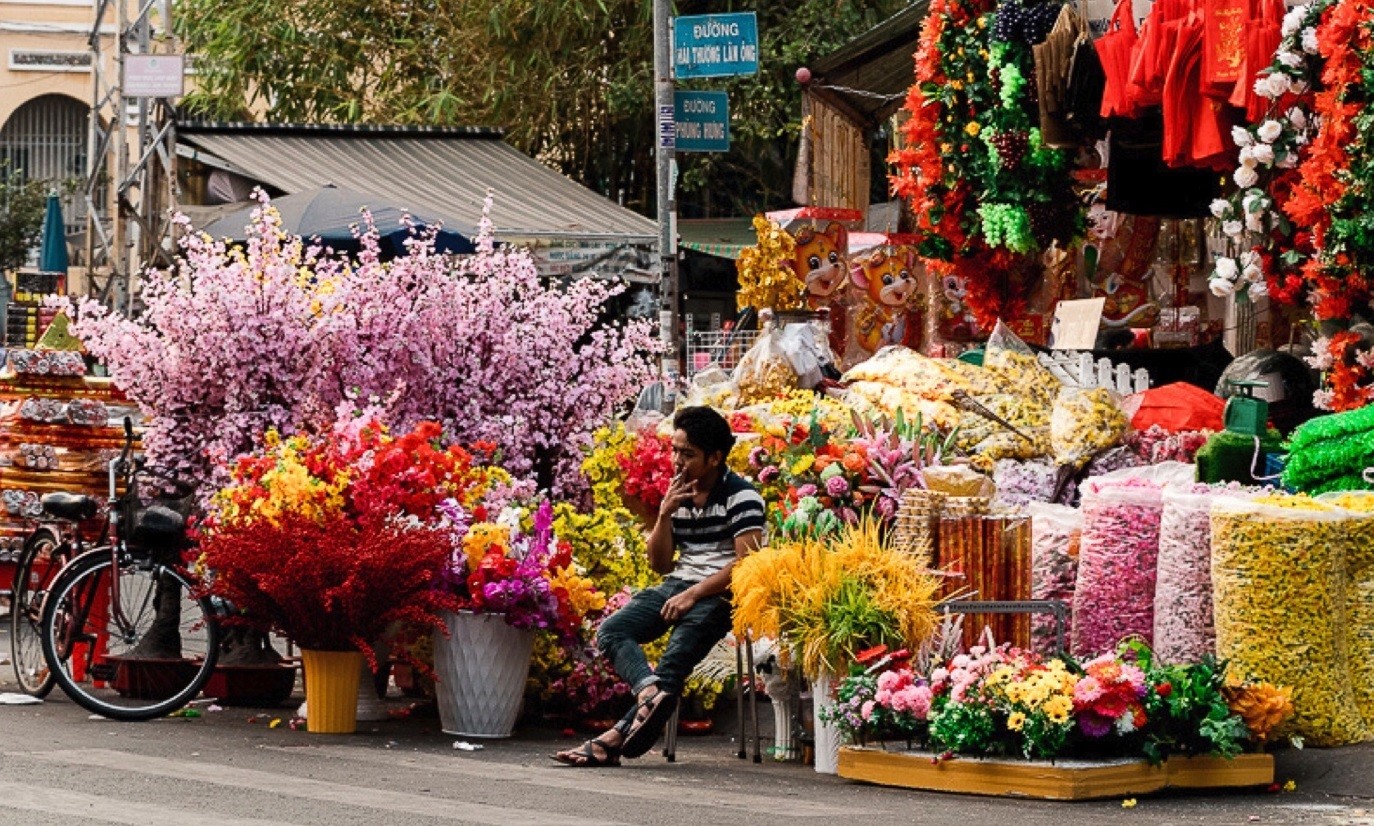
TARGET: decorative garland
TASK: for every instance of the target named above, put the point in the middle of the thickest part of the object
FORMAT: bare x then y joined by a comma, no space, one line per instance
987,194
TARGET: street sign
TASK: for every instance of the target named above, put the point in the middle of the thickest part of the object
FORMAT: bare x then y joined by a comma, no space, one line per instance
715,45
703,121
154,75
666,129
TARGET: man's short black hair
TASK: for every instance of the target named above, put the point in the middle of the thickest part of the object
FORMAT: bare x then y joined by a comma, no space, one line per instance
706,429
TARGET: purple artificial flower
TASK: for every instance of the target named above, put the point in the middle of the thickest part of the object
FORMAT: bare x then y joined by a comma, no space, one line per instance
837,486
769,475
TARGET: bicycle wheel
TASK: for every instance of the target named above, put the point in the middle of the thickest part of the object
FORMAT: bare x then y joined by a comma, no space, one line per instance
143,657
43,556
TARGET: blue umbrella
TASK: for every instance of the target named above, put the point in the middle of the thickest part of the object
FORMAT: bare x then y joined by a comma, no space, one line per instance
52,255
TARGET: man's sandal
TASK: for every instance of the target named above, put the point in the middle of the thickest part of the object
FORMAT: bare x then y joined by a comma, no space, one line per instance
587,757
648,726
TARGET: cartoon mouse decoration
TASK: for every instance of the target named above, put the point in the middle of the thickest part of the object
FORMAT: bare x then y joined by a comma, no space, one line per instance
820,261
887,279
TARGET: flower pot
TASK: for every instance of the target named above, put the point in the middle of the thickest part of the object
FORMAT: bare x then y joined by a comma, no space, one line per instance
827,735
482,668
331,690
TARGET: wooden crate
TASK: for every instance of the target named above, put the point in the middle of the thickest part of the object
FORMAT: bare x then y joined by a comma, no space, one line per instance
1062,780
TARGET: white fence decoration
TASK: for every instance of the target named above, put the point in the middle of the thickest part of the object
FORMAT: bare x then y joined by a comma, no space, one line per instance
1079,370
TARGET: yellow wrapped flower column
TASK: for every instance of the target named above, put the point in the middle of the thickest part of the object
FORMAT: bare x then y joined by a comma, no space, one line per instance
1278,583
1359,594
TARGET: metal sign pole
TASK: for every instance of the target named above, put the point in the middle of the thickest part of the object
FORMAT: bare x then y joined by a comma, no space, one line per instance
670,314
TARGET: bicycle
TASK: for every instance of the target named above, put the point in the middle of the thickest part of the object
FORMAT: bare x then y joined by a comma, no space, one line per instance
46,550
125,630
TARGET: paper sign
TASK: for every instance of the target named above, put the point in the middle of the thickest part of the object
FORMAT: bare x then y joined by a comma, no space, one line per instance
1075,324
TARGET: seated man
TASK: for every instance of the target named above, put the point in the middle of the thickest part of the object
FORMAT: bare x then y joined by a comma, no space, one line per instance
712,517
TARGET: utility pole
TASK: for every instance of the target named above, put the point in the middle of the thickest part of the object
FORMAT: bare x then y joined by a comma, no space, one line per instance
670,313
129,192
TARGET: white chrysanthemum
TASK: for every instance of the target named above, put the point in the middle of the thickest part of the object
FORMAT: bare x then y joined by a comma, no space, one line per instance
1278,84
1264,153
1226,268
1220,287
1246,176
1269,131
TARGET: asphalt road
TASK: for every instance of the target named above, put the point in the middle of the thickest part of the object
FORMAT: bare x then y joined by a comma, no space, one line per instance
59,766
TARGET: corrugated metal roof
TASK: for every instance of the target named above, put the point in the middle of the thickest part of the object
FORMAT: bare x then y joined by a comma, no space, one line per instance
721,237
443,172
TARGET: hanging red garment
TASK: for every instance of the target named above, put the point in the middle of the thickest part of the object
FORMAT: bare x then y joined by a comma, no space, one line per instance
1150,61
1224,25
1114,49
1262,39
1196,127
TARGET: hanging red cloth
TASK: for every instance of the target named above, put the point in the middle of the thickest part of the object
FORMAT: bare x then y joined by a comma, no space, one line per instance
1150,61
1225,30
1114,49
1196,127
1262,39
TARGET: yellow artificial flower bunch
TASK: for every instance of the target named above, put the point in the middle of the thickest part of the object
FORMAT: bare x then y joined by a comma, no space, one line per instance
601,465
583,596
608,545
827,600
284,485
483,537
765,279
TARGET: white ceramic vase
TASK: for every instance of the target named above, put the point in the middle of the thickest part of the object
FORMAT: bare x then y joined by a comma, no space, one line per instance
482,668
827,735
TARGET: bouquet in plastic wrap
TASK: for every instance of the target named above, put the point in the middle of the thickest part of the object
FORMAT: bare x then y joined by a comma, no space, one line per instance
764,372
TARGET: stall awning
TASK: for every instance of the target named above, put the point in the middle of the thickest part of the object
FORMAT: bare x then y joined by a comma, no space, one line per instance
444,172
721,237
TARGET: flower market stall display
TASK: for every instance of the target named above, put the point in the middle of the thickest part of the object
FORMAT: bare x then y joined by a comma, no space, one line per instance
1004,702
1278,579
329,540
278,334
826,600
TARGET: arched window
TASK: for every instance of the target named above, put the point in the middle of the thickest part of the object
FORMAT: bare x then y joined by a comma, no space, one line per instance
45,139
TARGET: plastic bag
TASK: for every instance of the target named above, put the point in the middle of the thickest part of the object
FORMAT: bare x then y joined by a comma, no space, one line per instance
1056,532
1020,483
1278,582
1184,630
1085,422
1017,366
712,388
1359,594
807,351
764,372
1115,594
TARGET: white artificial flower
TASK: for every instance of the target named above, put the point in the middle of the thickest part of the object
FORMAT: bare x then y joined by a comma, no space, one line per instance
1254,222
1254,201
1298,87
1249,258
1324,399
1232,228
1247,157
1297,117
1290,59
1226,268
1220,208
1269,131
1264,153
1309,41
1242,136
1277,83
1221,288
1259,289
1246,177
1321,358
1253,274
1293,20
1288,160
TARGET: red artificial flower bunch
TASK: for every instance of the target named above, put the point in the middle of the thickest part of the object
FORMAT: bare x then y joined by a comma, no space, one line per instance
1110,696
334,585
648,469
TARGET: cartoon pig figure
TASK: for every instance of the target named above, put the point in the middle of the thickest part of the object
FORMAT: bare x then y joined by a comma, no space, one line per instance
887,278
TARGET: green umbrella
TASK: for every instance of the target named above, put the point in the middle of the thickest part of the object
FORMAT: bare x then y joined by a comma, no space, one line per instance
52,255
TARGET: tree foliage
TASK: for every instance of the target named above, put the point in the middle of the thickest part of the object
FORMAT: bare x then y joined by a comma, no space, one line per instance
21,216
572,82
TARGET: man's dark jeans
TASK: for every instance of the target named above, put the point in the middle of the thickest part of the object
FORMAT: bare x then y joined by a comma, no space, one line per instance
641,621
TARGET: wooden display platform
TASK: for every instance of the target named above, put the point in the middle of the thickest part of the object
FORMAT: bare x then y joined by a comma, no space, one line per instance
1062,780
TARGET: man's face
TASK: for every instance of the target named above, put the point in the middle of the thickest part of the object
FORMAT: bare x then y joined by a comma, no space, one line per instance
691,461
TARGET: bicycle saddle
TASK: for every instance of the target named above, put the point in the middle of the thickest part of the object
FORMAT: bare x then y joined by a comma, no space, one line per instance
71,506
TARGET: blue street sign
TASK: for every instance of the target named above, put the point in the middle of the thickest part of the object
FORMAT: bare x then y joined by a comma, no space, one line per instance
715,45
703,121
